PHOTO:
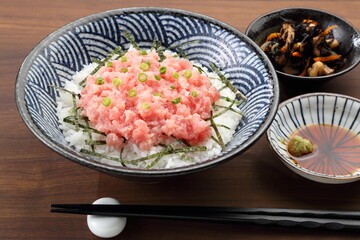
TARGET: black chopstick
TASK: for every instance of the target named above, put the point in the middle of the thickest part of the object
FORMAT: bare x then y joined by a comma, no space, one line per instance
212,209
331,219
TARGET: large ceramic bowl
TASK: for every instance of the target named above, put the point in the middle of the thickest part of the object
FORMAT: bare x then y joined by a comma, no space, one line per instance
62,53
331,123
347,35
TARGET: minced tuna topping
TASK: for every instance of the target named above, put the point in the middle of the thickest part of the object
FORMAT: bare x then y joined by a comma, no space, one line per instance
145,101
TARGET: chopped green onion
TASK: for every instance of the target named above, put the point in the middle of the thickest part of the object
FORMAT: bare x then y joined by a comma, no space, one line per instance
100,81
194,93
143,52
142,77
157,77
123,59
124,69
172,87
162,70
109,64
116,82
144,66
158,94
175,75
187,74
176,100
145,105
106,101
132,93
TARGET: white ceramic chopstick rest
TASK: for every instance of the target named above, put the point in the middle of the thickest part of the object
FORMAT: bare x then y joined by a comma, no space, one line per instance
103,226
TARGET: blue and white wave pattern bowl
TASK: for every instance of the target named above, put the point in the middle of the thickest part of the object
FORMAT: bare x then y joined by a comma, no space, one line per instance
313,108
68,49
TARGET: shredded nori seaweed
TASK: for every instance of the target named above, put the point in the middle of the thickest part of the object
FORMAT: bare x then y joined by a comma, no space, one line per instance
227,82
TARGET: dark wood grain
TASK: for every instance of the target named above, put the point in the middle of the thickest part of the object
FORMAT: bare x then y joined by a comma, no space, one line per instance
32,176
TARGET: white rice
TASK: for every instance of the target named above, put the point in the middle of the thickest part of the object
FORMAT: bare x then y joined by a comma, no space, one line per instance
131,151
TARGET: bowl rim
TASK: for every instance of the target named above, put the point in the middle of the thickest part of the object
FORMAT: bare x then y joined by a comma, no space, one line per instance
304,78
296,167
131,172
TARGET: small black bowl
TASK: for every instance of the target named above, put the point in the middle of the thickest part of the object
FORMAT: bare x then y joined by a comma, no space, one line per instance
347,35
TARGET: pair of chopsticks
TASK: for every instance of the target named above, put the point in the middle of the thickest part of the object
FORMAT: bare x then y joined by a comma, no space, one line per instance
330,219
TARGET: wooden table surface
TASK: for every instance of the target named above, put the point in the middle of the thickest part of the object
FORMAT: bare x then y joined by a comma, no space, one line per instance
32,176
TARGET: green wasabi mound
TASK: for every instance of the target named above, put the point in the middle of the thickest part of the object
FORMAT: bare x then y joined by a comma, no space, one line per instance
298,146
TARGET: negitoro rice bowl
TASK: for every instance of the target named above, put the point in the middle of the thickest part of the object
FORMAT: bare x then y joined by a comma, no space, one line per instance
150,120
47,88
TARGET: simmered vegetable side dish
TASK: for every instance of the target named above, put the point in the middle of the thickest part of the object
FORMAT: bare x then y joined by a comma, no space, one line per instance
304,48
